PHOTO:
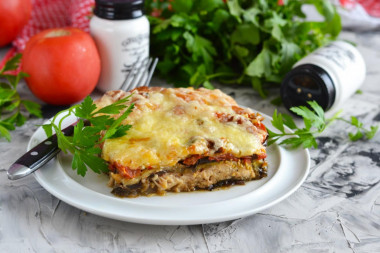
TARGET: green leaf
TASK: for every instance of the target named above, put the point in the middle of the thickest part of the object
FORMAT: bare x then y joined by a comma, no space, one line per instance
257,86
199,47
272,141
86,108
32,107
357,136
276,20
318,109
162,26
252,15
78,131
355,122
220,16
261,65
325,8
48,128
11,106
103,120
290,54
241,51
78,165
11,120
189,41
86,139
114,108
10,100
88,136
318,119
208,85
309,142
207,5
303,111
5,133
166,66
235,9
277,33
8,125
277,121
289,122
184,21
371,133
112,130
255,39
7,94
332,24
246,34
121,131
359,92
12,63
199,76
311,118
293,142
94,150
182,5
64,142
20,119
12,80
96,163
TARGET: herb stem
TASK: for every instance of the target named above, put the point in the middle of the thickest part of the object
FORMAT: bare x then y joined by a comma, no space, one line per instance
220,74
349,122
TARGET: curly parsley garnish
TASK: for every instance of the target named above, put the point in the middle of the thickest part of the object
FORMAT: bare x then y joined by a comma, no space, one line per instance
92,129
315,123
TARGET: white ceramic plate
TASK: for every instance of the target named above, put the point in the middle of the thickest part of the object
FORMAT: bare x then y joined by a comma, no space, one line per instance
287,170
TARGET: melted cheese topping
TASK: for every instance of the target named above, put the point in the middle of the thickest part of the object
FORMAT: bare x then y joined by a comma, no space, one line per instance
169,125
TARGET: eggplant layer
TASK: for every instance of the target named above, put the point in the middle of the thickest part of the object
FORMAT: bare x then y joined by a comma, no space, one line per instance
202,176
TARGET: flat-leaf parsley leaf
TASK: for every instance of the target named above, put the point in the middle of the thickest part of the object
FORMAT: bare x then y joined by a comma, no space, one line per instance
236,42
14,110
315,123
92,129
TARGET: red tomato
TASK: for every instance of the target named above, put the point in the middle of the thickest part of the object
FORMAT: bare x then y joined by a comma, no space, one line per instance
14,14
63,65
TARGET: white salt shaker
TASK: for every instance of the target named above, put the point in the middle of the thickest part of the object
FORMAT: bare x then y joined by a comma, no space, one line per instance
121,32
329,75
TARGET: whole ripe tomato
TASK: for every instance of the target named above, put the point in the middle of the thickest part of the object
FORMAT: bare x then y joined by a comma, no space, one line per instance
14,14
63,65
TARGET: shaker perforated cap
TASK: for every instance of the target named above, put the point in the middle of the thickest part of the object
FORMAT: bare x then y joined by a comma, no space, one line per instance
119,9
308,82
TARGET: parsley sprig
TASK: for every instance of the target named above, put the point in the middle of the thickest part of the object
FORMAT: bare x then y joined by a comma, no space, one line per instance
92,129
251,42
315,123
14,110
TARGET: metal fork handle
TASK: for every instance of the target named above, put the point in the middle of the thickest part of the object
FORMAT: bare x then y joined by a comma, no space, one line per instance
135,77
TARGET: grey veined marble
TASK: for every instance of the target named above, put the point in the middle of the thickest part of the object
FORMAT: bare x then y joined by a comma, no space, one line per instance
337,209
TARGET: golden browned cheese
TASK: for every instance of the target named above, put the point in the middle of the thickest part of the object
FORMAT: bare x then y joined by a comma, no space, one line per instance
170,125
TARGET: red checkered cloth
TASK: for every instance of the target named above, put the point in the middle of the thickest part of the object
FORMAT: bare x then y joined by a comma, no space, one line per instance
52,14
372,7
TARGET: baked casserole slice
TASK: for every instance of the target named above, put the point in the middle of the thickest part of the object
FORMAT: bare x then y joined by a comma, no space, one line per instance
183,139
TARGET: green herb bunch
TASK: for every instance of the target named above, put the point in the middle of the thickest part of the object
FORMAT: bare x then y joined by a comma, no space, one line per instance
314,124
14,110
92,129
254,42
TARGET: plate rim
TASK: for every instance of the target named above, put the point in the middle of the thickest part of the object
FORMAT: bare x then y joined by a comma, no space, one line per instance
170,221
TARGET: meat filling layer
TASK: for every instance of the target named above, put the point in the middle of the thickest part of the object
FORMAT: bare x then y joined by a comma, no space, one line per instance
205,176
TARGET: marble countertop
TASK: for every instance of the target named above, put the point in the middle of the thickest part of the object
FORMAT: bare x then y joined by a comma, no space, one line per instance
337,208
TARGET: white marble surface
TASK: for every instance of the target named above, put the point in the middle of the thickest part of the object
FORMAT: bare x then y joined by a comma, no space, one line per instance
337,209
